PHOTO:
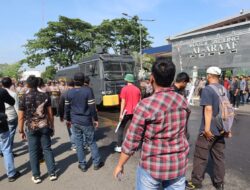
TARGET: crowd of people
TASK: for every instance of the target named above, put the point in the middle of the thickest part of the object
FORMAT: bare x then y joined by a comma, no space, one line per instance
237,88
158,127
32,107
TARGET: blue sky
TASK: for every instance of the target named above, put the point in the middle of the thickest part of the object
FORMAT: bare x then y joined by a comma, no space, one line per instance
21,19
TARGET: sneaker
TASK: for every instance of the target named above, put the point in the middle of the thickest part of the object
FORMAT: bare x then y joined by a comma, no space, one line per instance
53,177
41,160
219,186
83,168
85,148
36,179
14,177
97,167
73,148
118,149
191,185
1,154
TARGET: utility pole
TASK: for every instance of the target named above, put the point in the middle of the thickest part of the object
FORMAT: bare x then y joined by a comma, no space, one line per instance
140,34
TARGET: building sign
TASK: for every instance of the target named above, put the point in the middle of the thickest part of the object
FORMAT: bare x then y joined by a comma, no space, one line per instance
214,46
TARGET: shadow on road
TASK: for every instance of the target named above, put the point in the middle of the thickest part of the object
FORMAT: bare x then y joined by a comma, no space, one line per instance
20,148
63,164
106,151
101,133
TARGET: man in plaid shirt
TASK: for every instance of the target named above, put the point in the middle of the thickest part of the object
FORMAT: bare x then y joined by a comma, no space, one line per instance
158,126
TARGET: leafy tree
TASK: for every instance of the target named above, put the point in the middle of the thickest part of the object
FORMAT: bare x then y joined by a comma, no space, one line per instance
63,42
10,70
147,60
228,73
120,34
49,73
68,40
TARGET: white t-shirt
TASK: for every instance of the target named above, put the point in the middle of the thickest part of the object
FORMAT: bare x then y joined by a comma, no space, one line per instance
11,111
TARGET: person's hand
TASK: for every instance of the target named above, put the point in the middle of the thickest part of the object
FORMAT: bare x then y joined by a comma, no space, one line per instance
118,172
23,136
61,119
96,124
52,132
209,135
68,124
120,117
228,134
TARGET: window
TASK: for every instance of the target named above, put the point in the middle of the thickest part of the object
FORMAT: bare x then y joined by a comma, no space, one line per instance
221,52
127,67
112,66
92,68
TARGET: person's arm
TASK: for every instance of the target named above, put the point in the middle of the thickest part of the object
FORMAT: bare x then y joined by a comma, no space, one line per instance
67,108
123,102
61,107
21,113
237,89
133,139
21,124
92,107
244,86
50,114
207,102
208,113
7,98
16,102
51,119
122,108
122,161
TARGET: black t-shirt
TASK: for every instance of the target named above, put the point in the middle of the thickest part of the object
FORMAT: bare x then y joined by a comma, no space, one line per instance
5,97
209,97
179,91
235,86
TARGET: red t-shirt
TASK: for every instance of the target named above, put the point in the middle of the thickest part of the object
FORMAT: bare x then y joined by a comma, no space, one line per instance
132,96
226,84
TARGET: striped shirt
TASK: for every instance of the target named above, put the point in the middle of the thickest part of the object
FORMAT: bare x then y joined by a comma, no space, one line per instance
159,124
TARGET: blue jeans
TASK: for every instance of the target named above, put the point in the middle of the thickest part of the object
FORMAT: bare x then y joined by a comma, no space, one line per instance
144,181
35,140
87,132
7,153
12,128
72,137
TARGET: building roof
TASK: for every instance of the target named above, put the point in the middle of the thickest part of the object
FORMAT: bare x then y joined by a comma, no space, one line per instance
239,19
158,50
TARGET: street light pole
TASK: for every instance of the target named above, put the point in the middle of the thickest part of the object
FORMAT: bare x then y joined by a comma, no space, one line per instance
140,34
140,45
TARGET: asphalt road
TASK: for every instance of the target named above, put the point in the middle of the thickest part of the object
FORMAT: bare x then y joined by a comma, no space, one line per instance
70,177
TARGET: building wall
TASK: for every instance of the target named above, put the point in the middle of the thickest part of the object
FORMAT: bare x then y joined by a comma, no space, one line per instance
226,48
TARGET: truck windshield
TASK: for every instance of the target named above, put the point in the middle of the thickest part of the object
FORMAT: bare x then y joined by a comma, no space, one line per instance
117,70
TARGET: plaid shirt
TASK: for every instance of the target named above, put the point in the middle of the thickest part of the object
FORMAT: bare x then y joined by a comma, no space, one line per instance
159,124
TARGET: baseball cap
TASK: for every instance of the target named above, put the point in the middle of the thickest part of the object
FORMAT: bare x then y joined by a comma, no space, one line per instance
214,70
